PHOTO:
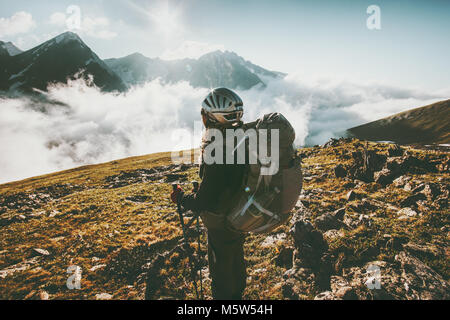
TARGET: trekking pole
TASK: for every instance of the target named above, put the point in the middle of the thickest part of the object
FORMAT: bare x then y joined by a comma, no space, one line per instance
186,243
196,185
198,253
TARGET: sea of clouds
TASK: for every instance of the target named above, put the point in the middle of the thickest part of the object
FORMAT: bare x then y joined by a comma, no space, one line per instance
77,124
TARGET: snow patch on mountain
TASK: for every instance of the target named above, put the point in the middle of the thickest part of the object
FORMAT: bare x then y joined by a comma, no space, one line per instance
14,76
66,37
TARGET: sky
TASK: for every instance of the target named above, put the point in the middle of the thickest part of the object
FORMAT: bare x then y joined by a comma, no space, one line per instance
313,39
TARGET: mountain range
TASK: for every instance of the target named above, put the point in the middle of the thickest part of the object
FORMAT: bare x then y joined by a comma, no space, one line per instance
55,61
211,70
67,56
425,125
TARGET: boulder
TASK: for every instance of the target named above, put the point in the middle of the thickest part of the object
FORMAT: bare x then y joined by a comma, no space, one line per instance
333,234
328,221
326,295
43,295
418,188
339,214
97,267
384,177
441,203
352,195
41,252
423,251
406,213
395,151
401,181
103,296
285,257
310,244
420,281
331,143
340,171
298,282
431,190
395,165
412,200
341,289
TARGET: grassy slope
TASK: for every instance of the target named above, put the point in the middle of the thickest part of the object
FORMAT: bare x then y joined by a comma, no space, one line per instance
427,125
95,224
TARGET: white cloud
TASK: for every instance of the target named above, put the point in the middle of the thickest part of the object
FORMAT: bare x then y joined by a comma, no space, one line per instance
58,19
90,126
97,27
191,49
20,22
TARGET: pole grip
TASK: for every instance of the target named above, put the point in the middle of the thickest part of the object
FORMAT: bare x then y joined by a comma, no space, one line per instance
195,185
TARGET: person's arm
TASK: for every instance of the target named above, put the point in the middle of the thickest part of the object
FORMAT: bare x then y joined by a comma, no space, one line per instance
207,194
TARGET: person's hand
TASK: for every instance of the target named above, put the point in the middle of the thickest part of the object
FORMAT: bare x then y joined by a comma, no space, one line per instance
176,193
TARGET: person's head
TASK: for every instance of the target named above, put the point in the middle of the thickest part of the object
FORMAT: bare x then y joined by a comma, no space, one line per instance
222,108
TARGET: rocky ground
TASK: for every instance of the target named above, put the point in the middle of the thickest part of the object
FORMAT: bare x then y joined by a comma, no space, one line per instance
372,223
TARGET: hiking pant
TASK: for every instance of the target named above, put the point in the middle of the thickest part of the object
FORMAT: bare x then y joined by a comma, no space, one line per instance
225,258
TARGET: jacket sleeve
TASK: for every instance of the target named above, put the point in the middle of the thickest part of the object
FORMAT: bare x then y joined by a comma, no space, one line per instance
210,188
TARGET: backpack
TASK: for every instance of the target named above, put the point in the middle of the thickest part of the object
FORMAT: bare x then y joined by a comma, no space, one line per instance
265,201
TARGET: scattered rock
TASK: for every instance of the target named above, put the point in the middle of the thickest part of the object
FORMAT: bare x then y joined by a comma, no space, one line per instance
298,282
331,143
26,202
97,267
272,240
384,177
21,266
326,295
139,198
420,281
441,203
175,177
328,221
412,200
352,195
308,239
365,220
284,258
42,252
401,181
311,253
396,242
340,171
431,190
103,296
423,251
395,166
346,293
395,151
54,213
408,186
339,214
126,178
43,295
333,234
406,213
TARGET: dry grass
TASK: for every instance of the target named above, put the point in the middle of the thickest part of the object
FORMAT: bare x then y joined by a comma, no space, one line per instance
91,226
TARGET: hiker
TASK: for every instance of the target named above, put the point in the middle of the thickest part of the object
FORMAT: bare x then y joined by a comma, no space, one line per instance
219,181
235,198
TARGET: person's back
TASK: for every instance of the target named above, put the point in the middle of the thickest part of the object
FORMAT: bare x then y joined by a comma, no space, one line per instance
222,110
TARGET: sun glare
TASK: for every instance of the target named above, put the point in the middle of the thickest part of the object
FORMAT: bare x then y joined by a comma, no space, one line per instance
165,18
